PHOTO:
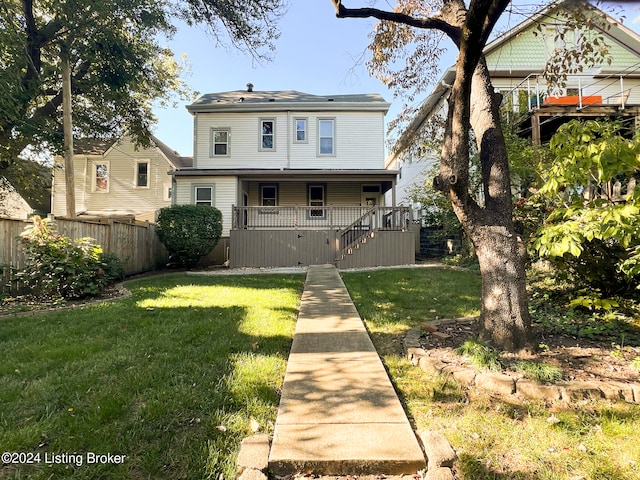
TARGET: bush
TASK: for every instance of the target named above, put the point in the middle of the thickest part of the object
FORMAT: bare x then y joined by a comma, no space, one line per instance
595,238
189,232
59,267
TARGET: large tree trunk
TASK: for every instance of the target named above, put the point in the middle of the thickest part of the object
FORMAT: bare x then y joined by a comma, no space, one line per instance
504,320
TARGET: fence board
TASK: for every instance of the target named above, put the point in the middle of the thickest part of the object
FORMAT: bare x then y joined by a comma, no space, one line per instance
136,245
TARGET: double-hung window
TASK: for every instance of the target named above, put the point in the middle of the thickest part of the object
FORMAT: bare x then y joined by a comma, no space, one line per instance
100,177
267,134
203,195
142,174
300,127
326,136
220,140
269,195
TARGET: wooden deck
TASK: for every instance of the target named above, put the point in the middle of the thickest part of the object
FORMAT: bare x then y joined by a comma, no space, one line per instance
347,237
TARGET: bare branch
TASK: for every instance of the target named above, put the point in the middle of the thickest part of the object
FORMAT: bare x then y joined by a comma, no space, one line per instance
433,22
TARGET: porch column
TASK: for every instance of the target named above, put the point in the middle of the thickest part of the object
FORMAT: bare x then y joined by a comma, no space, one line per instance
535,129
393,192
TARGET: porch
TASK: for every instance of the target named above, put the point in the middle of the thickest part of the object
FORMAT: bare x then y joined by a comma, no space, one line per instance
347,236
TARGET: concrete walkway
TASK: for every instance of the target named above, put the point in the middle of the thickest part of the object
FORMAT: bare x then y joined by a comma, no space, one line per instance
339,413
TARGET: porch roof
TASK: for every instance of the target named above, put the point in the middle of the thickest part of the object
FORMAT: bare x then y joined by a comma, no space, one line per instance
290,174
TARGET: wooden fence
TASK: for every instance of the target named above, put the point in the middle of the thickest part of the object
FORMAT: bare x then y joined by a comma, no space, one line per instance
135,244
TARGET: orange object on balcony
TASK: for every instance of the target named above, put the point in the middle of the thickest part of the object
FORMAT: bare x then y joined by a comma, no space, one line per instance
573,100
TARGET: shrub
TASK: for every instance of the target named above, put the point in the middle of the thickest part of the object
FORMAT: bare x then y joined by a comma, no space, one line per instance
594,238
57,266
189,232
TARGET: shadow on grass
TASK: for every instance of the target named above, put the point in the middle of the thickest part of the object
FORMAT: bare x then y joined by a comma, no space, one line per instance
174,388
470,468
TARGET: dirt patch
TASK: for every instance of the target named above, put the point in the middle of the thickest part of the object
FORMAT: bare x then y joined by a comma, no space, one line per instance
24,305
578,358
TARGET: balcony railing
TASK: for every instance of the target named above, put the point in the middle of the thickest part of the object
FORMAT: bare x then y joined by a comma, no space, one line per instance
317,218
608,90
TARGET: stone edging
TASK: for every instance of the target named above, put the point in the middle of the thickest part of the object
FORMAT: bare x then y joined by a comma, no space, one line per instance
503,384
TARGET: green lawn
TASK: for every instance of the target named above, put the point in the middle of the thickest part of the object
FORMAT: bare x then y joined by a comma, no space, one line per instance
173,377
495,438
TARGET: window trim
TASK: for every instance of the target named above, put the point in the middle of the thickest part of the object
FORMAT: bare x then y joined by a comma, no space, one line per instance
136,174
276,186
295,129
333,143
194,193
261,146
212,144
94,176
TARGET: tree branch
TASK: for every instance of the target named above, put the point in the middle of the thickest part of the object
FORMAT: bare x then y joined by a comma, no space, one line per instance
434,22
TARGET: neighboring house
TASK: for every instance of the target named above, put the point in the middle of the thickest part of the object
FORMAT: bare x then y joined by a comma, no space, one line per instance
117,179
12,204
516,60
25,189
299,179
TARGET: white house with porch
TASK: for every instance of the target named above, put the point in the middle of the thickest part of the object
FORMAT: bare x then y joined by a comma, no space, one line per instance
300,179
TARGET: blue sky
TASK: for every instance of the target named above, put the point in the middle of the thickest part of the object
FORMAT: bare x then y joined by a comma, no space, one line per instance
316,53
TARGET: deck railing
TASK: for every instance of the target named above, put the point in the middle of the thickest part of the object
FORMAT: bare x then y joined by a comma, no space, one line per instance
317,217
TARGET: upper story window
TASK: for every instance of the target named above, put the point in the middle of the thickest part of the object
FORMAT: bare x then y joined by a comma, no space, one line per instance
100,177
142,174
203,195
326,136
300,126
220,139
267,134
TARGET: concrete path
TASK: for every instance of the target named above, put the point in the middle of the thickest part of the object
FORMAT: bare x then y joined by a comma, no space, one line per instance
339,413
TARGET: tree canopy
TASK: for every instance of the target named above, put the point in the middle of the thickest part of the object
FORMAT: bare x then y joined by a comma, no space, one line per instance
119,66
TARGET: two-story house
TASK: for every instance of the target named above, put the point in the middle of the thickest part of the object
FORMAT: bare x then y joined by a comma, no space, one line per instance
299,179
116,179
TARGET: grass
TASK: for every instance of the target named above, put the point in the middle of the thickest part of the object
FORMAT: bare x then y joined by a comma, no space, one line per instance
178,374
540,372
481,356
495,439
173,377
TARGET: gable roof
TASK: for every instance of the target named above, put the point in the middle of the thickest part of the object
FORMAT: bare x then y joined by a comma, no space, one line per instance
258,101
100,147
616,30
172,155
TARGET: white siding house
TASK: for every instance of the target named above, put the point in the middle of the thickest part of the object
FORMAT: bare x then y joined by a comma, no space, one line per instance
277,163
117,179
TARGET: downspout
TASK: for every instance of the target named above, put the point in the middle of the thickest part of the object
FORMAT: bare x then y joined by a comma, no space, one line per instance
84,182
174,189
288,139
195,139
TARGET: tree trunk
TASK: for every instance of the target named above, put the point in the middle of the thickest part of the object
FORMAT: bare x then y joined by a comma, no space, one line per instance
504,320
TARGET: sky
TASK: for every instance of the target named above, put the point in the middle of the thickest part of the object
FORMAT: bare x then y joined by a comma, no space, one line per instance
316,53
